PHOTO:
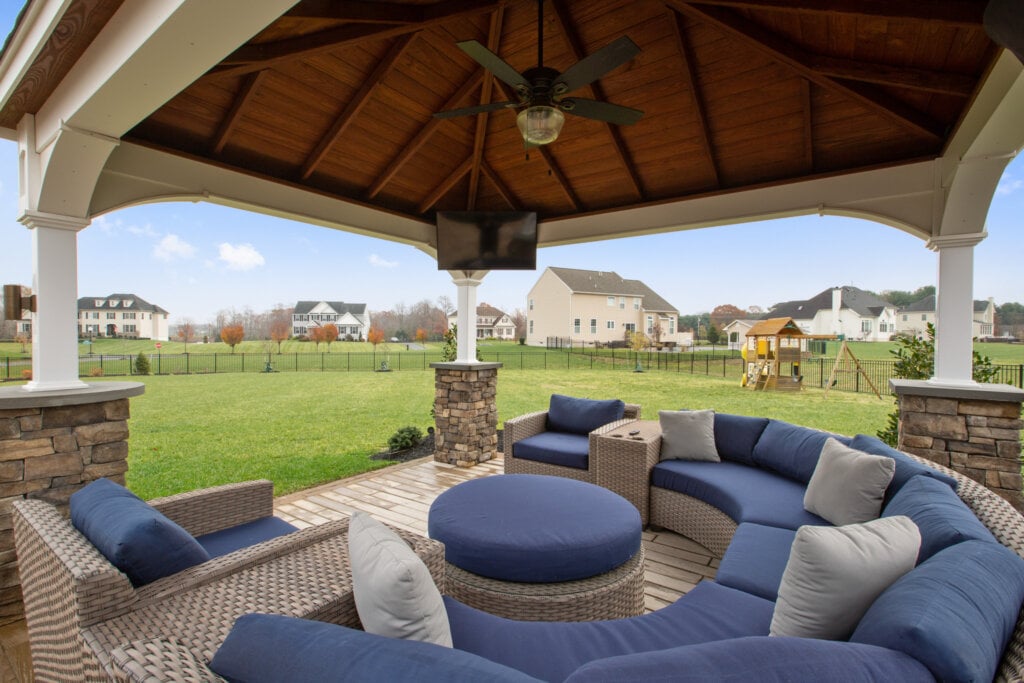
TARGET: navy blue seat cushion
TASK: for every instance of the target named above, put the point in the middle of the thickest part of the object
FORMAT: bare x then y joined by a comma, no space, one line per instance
269,648
555,448
943,518
756,559
244,535
761,659
735,436
534,528
791,450
906,468
746,494
954,613
582,415
136,538
551,651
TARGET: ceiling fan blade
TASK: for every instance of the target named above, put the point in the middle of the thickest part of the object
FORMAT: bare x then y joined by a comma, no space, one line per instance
593,67
493,63
602,111
478,109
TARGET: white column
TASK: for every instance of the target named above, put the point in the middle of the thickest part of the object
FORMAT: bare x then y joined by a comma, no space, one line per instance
55,284
954,308
466,283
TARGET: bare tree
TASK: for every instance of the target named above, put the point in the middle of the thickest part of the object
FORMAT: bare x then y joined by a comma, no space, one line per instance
186,331
280,326
519,320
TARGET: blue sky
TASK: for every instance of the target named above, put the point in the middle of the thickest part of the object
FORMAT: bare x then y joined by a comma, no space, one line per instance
196,259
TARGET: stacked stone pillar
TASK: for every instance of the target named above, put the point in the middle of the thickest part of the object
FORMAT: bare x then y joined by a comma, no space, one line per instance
52,443
465,412
973,429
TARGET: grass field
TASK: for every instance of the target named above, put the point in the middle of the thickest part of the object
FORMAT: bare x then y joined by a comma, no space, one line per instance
303,429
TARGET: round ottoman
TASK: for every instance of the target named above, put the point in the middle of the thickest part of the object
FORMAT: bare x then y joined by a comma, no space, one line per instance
540,548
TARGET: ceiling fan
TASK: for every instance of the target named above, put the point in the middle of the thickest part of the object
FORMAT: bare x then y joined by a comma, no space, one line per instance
542,92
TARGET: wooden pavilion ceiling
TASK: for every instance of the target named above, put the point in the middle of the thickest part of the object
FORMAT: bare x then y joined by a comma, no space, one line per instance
339,96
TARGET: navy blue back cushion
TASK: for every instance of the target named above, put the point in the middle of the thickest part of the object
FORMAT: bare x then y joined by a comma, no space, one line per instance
758,658
244,535
943,518
134,537
954,612
582,415
268,648
735,436
791,450
905,466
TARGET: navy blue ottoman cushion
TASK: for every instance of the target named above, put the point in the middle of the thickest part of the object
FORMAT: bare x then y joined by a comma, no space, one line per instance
906,468
761,659
943,518
735,436
555,448
792,450
269,648
756,559
136,538
244,535
746,494
534,528
551,651
582,415
955,612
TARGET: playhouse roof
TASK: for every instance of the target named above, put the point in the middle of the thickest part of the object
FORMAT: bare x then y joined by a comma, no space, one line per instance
776,326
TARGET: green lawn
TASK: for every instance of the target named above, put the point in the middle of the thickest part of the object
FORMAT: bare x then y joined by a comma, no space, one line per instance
999,353
302,429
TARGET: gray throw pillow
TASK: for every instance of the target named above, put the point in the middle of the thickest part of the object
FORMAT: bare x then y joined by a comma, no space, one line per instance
394,593
834,574
848,485
688,435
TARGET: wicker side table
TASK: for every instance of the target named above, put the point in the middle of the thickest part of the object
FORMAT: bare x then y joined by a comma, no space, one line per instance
623,462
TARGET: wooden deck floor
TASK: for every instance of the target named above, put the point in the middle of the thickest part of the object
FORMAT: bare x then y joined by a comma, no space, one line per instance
401,496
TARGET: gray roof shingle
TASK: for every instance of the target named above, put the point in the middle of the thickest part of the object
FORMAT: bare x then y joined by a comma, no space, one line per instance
611,283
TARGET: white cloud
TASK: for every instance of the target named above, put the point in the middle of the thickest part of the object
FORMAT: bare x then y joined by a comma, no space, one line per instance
240,257
143,230
173,247
381,263
1009,186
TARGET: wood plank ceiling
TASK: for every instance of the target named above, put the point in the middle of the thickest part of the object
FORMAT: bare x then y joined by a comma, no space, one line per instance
339,96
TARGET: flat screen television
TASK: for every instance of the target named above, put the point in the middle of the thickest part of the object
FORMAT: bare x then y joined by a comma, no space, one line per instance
486,240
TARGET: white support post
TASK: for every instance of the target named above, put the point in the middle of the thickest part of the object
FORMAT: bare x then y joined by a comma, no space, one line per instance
55,284
466,283
954,308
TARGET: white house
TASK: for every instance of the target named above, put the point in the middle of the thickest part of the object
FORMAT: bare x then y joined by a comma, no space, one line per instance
913,319
491,323
350,319
736,332
846,311
121,315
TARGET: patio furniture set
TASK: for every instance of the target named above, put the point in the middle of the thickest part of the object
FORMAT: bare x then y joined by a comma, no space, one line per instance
841,558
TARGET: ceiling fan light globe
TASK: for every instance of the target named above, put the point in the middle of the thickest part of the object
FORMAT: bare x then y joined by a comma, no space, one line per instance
540,125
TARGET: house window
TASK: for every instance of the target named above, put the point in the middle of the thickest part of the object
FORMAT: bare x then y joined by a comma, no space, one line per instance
130,329
530,324
129,315
865,326
576,326
611,301
630,327
671,326
650,324
905,317
924,316
593,326
111,315
95,315
636,304
611,325
531,304
622,302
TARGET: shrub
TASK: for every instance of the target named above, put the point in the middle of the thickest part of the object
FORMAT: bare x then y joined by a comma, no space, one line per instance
96,372
26,374
142,364
406,437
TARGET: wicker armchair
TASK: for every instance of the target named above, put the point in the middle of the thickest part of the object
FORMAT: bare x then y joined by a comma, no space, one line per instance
531,424
79,608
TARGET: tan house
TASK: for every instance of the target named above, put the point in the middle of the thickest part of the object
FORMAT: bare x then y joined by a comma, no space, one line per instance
121,315
913,319
596,307
491,323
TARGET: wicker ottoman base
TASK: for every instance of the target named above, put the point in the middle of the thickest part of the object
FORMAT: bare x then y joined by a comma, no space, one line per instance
613,595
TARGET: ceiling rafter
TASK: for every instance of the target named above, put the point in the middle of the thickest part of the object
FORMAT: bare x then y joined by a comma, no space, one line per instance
250,58
365,12
784,52
355,105
962,13
960,85
808,109
500,186
572,37
445,185
410,149
238,107
700,110
480,135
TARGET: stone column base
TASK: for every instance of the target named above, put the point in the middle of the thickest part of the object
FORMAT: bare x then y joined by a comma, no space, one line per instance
465,412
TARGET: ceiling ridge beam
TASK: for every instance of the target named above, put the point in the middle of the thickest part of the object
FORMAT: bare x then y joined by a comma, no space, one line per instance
500,186
960,13
700,109
618,144
480,134
356,104
794,58
238,107
445,185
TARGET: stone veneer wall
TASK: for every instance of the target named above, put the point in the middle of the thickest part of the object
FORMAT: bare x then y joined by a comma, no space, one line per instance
974,430
48,452
465,412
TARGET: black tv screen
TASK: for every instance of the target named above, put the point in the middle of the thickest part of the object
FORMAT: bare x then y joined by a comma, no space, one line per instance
486,240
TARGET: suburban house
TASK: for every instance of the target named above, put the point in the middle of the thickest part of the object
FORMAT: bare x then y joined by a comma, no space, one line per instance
596,307
736,331
350,319
914,318
121,315
842,311
491,323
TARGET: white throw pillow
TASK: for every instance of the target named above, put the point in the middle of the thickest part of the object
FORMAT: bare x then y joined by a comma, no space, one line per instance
834,574
688,435
394,593
848,485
